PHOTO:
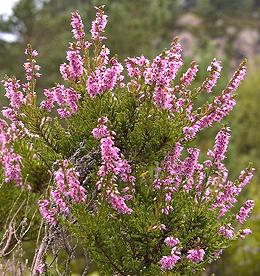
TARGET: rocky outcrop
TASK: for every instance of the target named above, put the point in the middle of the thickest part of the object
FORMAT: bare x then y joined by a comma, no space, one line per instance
247,43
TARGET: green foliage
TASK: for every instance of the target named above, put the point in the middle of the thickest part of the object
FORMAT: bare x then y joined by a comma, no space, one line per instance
205,8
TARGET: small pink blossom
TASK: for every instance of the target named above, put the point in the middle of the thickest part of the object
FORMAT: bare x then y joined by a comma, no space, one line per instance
196,255
66,99
169,262
171,241
245,232
227,231
118,203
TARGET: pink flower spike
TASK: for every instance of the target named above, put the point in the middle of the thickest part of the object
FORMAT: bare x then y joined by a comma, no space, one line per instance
221,145
77,25
190,74
214,70
99,24
118,203
245,211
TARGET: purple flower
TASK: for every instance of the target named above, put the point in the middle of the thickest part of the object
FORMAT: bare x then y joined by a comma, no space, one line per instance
169,262
67,182
245,211
66,99
101,131
99,24
196,255
30,66
15,96
227,231
48,213
136,66
237,78
214,70
104,78
68,189
113,166
118,203
40,268
221,145
245,177
11,163
245,232
171,241
59,202
77,25
161,72
75,68
190,74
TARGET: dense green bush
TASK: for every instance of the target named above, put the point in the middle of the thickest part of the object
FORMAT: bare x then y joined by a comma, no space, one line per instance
112,164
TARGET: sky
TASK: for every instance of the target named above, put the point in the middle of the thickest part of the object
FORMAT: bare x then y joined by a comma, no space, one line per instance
6,6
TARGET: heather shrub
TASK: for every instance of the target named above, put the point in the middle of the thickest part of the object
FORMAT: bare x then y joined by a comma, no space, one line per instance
110,159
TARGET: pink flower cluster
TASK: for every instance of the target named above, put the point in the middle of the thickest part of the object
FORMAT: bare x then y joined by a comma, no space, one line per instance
77,26
189,171
112,160
237,78
161,73
18,96
67,188
66,99
245,232
48,211
174,171
136,66
169,262
67,182
190,74
105,78
217,110
118,203
226,231
245,177
12,92
171,241
10,161
73,70
226,196
102,130
113,165
196,255
245,211
40,268
99,24
221,145
30,67
214,70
